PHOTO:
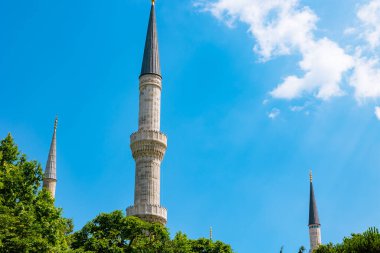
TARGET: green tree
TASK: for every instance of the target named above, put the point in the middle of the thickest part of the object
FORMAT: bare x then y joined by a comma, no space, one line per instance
115,232
180,244
203,245
302,249
29,222
368,242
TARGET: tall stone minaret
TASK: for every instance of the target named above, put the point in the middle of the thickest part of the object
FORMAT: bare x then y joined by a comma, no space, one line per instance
50,175
148,144
314,225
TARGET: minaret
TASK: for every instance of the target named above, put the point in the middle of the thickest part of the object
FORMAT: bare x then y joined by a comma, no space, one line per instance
50,176
148,144
314,225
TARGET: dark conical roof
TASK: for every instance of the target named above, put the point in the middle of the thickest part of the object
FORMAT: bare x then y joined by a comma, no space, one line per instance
151,60
313,211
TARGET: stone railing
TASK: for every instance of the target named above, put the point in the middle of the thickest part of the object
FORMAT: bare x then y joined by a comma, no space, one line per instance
149,135
146,209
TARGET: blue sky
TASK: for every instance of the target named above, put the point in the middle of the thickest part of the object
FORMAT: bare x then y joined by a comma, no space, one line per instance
241,138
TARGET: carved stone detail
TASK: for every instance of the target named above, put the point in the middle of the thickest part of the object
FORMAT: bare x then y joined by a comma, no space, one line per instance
148,143
150,80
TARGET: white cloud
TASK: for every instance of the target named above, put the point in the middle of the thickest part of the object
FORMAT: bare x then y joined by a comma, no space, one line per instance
283,27
297,108
377,112
324,63
274,113
366,78
350,31
369,16
279,26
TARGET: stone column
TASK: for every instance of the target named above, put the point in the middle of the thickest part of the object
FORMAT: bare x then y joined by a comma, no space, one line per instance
148,146
315,236
50,185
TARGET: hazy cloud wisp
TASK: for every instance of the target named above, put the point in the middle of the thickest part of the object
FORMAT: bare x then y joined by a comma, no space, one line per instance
377,112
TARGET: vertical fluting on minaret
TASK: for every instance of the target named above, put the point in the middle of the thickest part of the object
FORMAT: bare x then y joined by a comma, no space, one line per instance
148,144
314,224
50,175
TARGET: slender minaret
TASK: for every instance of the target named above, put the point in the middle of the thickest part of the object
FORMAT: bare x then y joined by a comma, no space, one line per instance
148,144
50,176
314,225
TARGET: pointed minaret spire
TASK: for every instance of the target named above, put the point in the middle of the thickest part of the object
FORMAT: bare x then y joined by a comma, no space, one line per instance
50,175
314,225
151,60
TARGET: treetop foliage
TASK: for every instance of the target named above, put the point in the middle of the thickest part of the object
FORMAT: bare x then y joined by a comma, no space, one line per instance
116,232
29,221
368,242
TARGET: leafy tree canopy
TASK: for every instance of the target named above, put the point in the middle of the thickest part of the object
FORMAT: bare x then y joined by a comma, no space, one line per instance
368,242
29,222
116,233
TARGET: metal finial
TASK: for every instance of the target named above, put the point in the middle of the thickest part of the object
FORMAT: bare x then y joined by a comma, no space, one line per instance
56,122
153,2
210,233
311,176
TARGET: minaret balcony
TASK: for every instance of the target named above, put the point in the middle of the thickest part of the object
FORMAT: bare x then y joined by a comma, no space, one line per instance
147,210
148,142
149,135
